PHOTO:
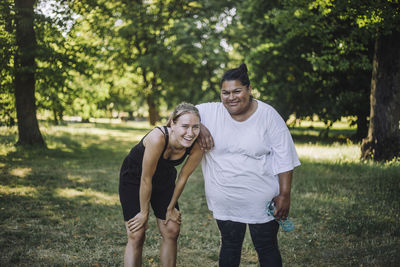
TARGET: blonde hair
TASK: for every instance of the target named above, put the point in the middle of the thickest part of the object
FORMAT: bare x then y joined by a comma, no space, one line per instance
181,109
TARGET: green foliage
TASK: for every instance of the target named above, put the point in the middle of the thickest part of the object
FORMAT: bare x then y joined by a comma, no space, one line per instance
95,58
169,49
74,75
162,43
198,57
7,49
99,58
312,57
55,58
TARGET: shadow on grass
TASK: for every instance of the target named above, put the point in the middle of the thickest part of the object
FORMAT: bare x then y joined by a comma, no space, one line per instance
49,230
314,135
73,146
347,214
51,216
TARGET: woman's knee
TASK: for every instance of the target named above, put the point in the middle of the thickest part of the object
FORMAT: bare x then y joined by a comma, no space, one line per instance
171,230
136,239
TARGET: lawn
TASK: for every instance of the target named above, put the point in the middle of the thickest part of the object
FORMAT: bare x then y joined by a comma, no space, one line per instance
60,206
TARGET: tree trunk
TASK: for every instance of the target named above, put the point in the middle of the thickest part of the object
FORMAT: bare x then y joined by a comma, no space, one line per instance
55,116
149,95
24,64
153,111
383,141
362,127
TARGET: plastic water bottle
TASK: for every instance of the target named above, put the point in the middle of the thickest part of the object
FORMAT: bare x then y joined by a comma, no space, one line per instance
287,224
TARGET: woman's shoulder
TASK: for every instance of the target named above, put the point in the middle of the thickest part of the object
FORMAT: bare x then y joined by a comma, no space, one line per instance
267,109
264,106
155,137
271,117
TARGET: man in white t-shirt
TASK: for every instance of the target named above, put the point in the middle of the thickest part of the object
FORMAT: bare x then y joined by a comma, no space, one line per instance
252,163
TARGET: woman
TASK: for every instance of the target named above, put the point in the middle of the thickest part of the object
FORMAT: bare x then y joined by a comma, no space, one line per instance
148,176
251,164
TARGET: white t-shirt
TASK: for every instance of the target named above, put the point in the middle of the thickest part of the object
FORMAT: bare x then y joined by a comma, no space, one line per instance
241,171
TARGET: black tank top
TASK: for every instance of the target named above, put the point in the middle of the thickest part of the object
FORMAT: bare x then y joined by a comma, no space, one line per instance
165,174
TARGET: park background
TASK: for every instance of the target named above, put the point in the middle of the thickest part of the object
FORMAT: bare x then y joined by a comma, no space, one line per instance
81,82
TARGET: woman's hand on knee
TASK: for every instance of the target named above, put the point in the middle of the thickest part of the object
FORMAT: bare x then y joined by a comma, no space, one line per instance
173,215
137,222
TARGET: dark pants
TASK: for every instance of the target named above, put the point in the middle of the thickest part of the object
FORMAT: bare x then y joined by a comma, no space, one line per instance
264,237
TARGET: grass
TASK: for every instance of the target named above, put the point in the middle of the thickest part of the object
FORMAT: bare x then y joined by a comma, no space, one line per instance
60,206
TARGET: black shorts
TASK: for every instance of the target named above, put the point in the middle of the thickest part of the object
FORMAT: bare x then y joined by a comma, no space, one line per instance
129,197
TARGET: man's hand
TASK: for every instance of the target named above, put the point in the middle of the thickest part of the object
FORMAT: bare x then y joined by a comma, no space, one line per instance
205,139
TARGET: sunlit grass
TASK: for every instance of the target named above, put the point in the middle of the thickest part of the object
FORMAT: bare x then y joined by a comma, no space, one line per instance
20,191
335,153
20,172
344,123
60,206
92,196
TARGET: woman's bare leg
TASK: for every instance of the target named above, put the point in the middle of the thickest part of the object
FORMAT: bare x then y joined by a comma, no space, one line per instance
134,248
169,244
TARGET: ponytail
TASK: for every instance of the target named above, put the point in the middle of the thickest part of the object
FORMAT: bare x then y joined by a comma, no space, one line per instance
243,68
239,74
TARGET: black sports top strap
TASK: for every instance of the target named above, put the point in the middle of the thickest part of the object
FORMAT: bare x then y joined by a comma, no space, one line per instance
166,138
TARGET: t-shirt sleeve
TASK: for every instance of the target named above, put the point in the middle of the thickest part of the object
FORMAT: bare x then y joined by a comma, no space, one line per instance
284,155
205,110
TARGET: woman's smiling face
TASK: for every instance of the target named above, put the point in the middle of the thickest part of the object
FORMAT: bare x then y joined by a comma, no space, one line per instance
235,97
186,129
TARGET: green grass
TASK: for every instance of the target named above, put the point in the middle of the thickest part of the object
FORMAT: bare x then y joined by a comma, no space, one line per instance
60,206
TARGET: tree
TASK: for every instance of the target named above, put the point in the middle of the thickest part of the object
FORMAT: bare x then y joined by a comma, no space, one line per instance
315,57
145,34
199,54
63,61
383,141
24,67
306,57
53,57
167,45
91,57
382,19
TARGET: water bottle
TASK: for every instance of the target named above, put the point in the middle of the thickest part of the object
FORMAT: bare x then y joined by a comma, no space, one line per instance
287,224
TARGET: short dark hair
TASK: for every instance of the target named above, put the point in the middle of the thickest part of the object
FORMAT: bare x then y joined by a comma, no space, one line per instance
239,74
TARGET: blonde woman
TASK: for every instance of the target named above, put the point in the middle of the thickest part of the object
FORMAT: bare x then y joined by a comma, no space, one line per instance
148,177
